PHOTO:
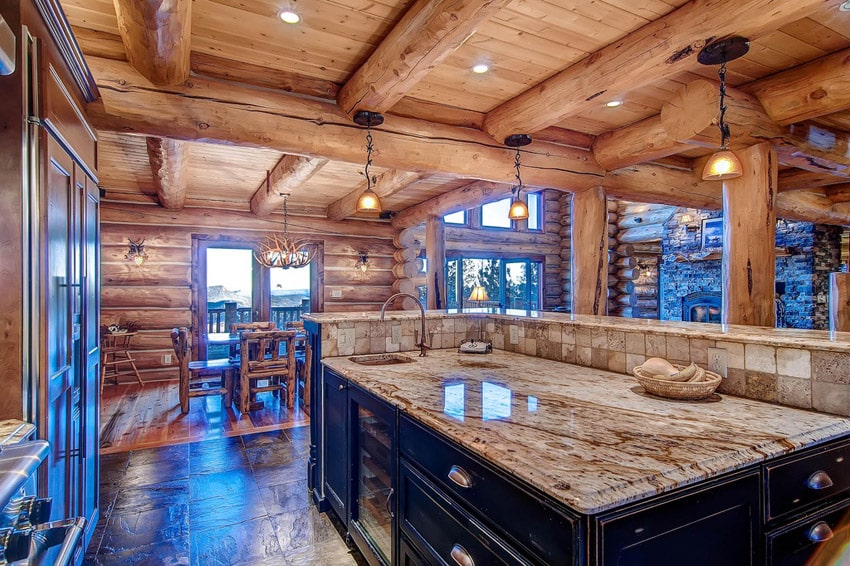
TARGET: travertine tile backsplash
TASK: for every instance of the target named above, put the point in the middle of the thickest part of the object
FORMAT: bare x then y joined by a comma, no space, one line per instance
799,377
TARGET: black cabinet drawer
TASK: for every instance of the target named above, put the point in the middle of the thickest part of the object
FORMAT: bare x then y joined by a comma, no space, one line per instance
798,481
526,519
822,538
443,531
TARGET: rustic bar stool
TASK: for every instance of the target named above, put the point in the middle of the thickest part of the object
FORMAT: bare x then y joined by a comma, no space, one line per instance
201,377
267,364
115,352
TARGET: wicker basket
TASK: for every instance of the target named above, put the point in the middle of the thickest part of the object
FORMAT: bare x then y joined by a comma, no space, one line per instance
678,389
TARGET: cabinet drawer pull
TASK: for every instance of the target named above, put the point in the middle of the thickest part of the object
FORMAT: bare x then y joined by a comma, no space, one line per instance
341,386
819,532
460,477
462,557
819,480
388,503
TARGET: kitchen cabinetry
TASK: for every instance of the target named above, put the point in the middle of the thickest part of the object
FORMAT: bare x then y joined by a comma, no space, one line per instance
50,310
335,462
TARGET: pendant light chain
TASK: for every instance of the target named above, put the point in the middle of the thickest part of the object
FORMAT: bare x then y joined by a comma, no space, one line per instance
369,148
722,125
516,165
285,216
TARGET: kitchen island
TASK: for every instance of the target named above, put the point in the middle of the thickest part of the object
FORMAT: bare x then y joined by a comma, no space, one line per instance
595,451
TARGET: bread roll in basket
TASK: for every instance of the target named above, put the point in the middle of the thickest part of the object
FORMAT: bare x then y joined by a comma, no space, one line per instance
688,390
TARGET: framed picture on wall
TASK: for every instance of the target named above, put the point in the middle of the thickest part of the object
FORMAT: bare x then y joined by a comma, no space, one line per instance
712,234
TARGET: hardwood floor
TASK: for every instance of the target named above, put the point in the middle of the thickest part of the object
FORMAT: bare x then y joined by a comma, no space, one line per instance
134,417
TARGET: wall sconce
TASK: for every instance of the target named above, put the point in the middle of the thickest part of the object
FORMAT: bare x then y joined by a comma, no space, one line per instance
687,220
363,263
723,164
136,253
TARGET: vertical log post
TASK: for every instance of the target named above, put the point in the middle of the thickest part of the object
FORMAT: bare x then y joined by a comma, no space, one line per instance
589,253
749,239
839,302
435,246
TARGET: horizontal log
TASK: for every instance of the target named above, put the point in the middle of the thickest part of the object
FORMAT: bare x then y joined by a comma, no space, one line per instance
152,359
647,303
340,261
404,238
624,249
484,237
405,255
354,307
353,277
154,236
662,185
612,230
625,312
625,300
628,273
646,248
156,254
404,286
641,234
646,290
358,294
127,274
138,297
646,218
624,287
406,270
627,208
148,319
152,340
625,262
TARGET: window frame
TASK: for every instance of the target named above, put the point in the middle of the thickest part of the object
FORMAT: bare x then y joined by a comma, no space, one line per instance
504,258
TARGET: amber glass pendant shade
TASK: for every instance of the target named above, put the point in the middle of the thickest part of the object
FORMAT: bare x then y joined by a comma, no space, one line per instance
479,293
721,166
518,210
368,202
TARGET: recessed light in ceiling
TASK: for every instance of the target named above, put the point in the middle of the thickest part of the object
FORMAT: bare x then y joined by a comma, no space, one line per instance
289,17
614,103
480,68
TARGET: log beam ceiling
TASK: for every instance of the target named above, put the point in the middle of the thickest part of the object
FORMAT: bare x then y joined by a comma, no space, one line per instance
387,184
659,50
427,33
157,38
290,173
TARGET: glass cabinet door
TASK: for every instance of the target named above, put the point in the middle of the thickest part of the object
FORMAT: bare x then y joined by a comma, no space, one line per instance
373,477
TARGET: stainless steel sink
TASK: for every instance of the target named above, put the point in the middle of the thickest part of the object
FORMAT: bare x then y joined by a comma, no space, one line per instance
381,359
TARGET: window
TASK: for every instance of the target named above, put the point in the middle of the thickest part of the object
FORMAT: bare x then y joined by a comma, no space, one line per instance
455,218
534,211
495,214
510,283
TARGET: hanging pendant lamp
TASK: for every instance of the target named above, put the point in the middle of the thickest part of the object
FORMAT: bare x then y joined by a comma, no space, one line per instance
279,250
723,164
519,209
368,201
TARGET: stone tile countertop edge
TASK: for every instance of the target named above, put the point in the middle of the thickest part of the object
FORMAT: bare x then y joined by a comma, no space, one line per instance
779,337
13,431
589,438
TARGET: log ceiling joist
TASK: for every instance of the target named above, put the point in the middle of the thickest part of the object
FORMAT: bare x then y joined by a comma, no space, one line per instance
169,161
468,196
290,173
387,184
157,38
809,91
428,32
797,179
218,112
659,50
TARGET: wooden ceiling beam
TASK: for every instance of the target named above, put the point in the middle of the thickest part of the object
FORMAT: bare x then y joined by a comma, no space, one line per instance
157,36
469,196
808,91
838,193
428,32
289,173
169,161
659,50
798,179
386,184
219,112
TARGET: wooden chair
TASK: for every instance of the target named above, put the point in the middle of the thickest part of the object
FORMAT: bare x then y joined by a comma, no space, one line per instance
115,352
238,327
267,364
303,368
202,377
294,325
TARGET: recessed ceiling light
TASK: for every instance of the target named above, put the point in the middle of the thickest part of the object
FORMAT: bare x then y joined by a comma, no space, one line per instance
480,68
614,103
289,17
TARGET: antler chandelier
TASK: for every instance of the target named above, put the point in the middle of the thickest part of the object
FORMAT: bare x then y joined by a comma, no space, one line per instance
279,250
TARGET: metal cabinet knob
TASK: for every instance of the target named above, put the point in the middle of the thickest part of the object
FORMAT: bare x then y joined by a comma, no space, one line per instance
460,477
819,480
461,556
819,532
341,386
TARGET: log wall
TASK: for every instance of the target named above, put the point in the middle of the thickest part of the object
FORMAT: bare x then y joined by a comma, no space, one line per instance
159,293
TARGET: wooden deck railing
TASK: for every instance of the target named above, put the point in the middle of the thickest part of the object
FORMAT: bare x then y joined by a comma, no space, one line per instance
220,319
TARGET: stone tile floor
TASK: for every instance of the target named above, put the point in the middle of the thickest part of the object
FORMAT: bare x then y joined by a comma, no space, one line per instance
228,501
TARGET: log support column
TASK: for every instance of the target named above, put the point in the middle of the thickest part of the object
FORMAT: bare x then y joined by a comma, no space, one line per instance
749,239
839,302
435,248
589,252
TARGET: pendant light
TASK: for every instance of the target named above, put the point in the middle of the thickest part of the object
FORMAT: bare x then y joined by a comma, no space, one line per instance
723,164
518,210
368,201
279,250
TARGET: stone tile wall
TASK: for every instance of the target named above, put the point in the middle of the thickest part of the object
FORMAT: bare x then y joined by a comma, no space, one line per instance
797,377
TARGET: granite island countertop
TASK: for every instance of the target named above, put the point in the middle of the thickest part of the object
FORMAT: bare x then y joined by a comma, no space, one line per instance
589,438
